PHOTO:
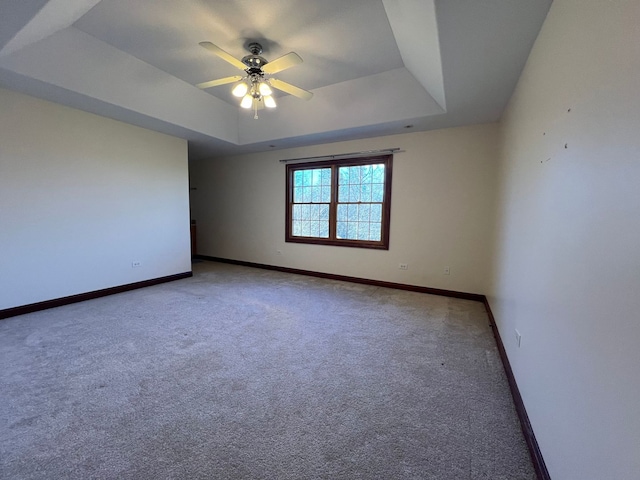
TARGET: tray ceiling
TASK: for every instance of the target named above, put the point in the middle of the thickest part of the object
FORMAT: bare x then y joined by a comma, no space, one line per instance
375,66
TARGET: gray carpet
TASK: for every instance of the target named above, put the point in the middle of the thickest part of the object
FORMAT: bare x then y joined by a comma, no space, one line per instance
240,373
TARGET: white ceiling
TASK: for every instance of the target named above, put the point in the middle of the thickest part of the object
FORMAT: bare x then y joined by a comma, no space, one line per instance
374,66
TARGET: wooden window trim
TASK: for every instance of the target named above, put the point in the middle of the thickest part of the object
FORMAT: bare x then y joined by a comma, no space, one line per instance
383,244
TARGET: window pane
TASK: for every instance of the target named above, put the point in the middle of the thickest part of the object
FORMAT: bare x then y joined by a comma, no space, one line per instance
376,213
342,213
306,177
297,194
324,212
354,193
296,212
378,173
304,212
324,229
366,173
375,232
343,193
297,228
365,192
352,230
363,213
316,194
326,176
343,176
363,231
352,213
342,230
316,178
354,175
305,229
326,195
314,212
314,229
377,192
306,194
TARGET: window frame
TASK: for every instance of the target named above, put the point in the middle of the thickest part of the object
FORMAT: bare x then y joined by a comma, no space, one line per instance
385,226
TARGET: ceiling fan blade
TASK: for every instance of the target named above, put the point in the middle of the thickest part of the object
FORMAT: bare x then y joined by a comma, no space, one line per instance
224,55
282,63
220,81
291,89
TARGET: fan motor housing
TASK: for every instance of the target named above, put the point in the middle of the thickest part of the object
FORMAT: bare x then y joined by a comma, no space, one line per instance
254,61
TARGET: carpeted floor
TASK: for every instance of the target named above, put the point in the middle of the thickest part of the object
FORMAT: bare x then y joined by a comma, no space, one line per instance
240,373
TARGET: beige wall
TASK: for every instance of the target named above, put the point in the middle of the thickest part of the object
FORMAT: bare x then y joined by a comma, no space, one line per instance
442,199
568,250
81,198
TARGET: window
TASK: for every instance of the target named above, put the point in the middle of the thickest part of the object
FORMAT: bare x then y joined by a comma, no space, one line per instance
340,202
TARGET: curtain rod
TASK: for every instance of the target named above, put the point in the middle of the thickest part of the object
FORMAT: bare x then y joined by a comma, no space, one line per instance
341,155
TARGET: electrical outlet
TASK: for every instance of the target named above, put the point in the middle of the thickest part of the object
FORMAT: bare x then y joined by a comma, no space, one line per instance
518,338
404,266
136,264
447,271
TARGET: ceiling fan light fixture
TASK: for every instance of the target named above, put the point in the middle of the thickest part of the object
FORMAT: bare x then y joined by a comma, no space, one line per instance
247,101
269,101
240,89
265,89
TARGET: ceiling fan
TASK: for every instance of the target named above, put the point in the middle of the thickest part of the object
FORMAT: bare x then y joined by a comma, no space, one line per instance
253,87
